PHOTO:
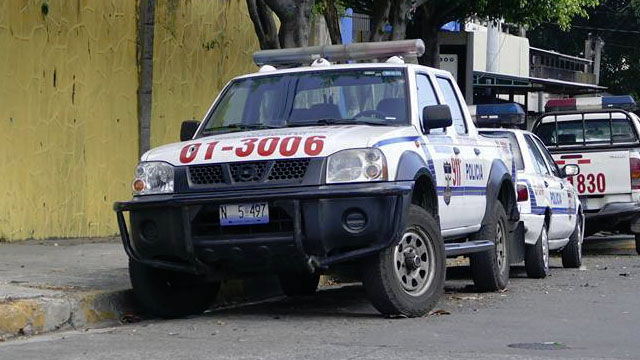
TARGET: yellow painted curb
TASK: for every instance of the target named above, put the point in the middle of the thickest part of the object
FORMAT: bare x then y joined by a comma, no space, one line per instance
18,315
93,309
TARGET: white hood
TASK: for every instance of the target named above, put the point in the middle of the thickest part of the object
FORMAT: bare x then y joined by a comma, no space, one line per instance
285,143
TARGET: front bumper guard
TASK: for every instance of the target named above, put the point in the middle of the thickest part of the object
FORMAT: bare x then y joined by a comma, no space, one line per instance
196,266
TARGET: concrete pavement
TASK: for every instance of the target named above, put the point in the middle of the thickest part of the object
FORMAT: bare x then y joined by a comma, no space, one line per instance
78,284
587,313
81,283
53,285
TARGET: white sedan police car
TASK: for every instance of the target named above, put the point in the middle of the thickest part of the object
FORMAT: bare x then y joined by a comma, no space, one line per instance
548,203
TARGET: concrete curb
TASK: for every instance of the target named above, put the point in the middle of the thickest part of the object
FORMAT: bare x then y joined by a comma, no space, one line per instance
39,312
61,311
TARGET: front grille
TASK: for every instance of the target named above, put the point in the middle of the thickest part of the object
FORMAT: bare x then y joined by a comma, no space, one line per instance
248,171
206,175
289,169
276,171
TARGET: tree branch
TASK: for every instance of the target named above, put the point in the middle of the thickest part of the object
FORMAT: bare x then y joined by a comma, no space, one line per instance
333,21
263,23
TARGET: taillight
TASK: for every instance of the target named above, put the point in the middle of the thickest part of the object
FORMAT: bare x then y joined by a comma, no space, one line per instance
634,167
523,193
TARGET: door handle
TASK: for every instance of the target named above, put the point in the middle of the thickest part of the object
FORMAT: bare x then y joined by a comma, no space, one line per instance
476,150
546,184
456,150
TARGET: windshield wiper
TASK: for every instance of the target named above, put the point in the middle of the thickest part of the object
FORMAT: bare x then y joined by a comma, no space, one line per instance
334,121
239,127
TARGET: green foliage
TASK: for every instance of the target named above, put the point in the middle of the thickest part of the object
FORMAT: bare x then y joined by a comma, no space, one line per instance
320,6
617,22
525,12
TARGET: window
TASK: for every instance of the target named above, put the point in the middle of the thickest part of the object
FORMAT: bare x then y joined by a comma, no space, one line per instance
426,97
537,158
594,131
451,99
517,155
543,150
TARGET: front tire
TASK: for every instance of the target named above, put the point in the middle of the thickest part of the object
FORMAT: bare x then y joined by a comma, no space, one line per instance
637,243
170,294
407,278
490,269
572,253
536,260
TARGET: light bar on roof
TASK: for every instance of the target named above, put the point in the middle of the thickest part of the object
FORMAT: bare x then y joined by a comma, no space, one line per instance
340,53
625,102
498,115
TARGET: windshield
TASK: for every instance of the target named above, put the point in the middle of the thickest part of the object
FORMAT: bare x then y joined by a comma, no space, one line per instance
369,96
594,131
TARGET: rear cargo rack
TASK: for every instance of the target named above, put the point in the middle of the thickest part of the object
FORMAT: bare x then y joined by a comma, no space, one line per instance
582,113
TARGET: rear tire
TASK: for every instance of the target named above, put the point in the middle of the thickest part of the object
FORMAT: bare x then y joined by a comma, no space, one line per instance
637,243
170,294
490,269
298,283
536,260
407,278
572,253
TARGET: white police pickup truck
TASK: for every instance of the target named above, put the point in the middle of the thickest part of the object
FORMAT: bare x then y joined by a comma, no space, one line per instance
602,137
299,170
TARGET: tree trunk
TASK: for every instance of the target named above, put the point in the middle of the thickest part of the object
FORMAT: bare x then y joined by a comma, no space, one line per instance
333,22
398,16
263,23
380,19
431,55
295,21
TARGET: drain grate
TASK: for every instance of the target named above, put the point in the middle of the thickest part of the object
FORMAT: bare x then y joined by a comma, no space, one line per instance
540,346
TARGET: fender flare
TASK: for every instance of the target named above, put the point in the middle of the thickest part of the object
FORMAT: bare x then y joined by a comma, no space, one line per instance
412,166
497,176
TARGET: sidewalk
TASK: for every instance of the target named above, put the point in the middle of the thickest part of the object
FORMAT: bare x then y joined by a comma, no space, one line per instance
50,285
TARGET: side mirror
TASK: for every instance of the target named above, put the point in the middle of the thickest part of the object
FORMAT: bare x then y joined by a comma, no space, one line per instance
436,117
188,129
570,170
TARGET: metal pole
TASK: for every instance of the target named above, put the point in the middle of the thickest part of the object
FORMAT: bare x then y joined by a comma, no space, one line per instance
146,11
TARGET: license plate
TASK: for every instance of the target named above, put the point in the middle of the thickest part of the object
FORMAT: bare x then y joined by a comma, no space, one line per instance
244,214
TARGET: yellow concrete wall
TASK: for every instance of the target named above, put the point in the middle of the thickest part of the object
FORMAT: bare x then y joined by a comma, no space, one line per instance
68,146
68,116
199,45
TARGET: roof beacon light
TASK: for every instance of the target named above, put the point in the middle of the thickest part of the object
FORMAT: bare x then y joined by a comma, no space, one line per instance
624,102
507,115
340,53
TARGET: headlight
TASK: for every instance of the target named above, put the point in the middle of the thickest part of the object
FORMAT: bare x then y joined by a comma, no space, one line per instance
356,165
153,178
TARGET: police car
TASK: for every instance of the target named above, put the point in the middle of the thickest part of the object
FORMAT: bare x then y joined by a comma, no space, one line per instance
548,202
601,135
308,165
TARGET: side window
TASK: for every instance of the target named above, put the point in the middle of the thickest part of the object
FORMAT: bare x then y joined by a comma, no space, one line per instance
548,157
451,99
426,97
536,157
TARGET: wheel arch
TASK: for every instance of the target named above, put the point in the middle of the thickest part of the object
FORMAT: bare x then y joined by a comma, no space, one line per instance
425,194
500,186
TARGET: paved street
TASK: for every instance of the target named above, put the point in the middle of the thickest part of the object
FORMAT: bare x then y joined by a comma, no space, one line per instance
593,312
